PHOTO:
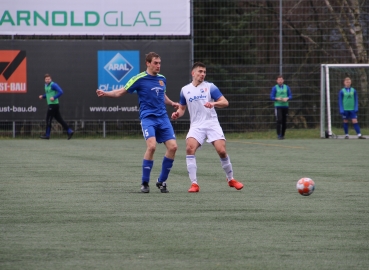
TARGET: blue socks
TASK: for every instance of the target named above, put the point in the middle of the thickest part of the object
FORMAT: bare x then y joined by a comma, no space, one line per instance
357,128
146,170
48,129
165,169
345,127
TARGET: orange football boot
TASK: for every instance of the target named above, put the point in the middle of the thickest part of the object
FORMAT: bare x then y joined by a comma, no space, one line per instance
194,188
234,183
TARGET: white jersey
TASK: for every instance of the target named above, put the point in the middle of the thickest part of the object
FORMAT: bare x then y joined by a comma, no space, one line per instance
194,97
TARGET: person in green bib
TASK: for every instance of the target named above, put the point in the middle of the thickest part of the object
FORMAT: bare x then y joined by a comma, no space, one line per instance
281,94
349,106
52,94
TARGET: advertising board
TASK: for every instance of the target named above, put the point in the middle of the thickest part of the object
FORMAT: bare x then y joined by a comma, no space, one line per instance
79,68
95,17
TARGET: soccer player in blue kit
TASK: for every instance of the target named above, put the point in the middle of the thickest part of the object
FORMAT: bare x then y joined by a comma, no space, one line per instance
201,98
156,127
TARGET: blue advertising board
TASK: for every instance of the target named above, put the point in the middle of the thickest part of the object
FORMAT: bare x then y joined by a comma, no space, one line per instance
115,68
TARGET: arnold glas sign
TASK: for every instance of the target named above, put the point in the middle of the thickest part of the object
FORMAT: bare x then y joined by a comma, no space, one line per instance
95,17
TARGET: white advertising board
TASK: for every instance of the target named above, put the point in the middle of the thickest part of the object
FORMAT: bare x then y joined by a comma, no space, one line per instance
95,17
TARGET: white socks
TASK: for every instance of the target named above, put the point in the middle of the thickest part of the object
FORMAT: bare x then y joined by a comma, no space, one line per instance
191,168
227,167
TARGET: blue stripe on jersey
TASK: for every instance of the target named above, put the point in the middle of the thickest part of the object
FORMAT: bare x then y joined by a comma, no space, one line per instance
182,99
215,92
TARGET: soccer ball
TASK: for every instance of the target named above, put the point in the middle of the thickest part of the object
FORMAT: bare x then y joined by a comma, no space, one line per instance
305,186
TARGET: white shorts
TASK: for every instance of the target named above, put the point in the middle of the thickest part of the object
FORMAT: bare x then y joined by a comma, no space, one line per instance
212,134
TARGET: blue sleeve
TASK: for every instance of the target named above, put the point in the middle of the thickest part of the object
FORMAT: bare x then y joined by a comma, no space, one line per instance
57,88
133,87
215,92
289,93
340,101
356,101
182,99
272,94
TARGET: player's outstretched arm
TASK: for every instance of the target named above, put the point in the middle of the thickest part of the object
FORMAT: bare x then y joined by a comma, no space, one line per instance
180,112
168,101
113,94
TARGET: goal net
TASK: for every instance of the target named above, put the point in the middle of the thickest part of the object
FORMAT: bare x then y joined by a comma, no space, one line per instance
332,76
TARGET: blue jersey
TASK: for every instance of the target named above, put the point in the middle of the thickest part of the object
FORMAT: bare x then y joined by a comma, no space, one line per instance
151,93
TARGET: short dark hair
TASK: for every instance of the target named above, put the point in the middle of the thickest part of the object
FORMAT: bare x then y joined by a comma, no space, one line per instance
198,64
47,75
151,55
280,76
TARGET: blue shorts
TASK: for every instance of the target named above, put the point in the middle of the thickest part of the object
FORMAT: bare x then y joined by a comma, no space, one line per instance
158,127
349,115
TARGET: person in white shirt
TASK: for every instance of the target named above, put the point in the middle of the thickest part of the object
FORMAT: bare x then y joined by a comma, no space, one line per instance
201,98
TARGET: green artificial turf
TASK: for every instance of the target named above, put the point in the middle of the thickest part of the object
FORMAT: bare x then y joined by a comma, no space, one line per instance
77,205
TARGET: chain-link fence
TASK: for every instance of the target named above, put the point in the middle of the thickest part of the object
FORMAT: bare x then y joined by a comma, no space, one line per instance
240,43
246,45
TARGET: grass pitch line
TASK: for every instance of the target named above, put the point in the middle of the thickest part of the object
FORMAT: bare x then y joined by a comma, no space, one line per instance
268,144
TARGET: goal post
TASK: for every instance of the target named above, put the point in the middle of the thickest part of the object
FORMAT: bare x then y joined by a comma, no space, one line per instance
331,81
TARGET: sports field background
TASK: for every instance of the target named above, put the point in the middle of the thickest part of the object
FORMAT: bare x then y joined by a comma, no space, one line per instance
77,205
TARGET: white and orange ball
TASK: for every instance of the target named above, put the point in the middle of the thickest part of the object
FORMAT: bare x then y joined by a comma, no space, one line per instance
305,186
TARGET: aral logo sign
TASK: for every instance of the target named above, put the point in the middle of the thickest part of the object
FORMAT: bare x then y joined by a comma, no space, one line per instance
13,72
95,17
115,68
118,67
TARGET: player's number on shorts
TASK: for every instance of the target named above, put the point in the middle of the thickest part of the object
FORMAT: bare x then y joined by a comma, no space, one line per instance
146,133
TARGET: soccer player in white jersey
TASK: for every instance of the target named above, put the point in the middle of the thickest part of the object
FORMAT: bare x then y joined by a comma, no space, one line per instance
150,87
202,98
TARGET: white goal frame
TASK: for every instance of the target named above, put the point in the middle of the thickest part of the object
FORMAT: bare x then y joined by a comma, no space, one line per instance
325,102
